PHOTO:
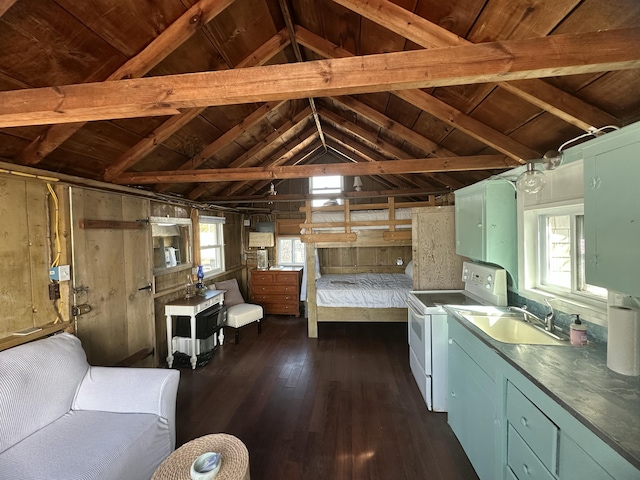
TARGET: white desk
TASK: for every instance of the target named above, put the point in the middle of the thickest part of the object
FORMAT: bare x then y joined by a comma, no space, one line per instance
190,307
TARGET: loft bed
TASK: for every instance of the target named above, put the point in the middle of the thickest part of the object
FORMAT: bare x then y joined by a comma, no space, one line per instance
370,293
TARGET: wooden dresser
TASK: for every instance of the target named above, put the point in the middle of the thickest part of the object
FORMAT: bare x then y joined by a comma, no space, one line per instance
277,290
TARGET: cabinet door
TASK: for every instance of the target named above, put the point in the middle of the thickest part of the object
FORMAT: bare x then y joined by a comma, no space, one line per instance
469,224
612,217
576,464
473,412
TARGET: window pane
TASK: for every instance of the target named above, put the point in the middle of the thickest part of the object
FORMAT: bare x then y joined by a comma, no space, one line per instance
211,259
582,284
209,234
290,251
211,247
558,250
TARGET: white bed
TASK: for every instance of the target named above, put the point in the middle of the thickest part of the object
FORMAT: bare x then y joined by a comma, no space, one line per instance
363,290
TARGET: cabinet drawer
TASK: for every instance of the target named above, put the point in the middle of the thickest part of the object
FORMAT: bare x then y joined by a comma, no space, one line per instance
522,461
263,278
540,433
282,308
274,289
267,298
287,278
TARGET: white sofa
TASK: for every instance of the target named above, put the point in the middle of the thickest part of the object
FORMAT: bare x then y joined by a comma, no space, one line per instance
61,419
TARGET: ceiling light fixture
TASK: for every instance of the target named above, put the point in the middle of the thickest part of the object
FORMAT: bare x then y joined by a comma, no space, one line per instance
532,181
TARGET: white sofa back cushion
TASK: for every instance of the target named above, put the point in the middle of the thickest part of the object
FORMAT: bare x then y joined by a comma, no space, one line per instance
38,382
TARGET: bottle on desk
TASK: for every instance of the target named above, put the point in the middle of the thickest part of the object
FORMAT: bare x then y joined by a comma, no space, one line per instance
189,287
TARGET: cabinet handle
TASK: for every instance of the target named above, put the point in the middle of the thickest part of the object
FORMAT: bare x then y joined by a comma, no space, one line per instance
525,468
451,341
524,422
479,225
453,394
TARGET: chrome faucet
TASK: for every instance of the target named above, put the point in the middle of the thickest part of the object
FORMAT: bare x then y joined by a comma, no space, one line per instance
528,316
546,322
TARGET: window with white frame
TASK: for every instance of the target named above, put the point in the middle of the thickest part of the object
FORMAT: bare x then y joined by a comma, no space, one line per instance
329,185
558,265
290,251
212,245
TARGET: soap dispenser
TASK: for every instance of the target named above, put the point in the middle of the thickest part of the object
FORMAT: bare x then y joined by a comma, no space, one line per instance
578,332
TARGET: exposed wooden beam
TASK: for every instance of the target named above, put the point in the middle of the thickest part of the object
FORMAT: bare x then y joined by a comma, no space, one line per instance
226,138
429,35
432,105
164,44
511,60
391,167
5,5
145,146
405,192
428,146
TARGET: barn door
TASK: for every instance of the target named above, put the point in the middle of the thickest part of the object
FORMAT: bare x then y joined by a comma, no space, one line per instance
112,275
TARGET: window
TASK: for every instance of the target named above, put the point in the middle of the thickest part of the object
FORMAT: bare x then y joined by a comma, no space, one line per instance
212,245
290,251
561,254
329,186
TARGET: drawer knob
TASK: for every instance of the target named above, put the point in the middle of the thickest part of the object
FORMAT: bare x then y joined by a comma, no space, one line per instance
524,422
453,394
525,469
451,341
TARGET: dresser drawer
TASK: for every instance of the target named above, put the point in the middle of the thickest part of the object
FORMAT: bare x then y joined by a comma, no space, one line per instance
522,461
262,298
283,308
288,278
263,278
274,289
540,433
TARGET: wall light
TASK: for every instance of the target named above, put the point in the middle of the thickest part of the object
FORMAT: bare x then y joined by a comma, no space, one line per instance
357,183
532,180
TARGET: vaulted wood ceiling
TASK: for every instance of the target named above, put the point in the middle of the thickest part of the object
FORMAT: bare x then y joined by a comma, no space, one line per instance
213,100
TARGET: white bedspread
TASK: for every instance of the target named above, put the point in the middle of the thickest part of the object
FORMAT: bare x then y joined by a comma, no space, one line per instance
369,290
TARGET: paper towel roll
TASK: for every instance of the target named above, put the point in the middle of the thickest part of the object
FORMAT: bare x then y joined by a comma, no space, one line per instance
623,347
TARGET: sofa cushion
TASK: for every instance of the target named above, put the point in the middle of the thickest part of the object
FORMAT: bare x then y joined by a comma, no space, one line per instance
84,445
38,382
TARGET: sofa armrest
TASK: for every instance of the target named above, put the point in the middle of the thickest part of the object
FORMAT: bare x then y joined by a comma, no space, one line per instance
130,390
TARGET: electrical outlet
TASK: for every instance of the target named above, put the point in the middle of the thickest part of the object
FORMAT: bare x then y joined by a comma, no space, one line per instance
54,291
247,223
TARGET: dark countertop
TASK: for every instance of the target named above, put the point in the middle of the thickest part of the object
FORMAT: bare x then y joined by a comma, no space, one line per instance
577,378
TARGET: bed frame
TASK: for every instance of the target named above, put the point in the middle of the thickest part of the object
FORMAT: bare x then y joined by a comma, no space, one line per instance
386,234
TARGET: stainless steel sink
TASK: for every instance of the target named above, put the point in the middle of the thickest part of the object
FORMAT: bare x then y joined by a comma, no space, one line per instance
508,327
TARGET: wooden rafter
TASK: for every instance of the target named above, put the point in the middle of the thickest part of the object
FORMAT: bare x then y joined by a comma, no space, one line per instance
391,167
168,41
429,35
5,5
431,105
509,60
145,146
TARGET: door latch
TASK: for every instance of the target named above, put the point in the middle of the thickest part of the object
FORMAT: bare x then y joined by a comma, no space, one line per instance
148,287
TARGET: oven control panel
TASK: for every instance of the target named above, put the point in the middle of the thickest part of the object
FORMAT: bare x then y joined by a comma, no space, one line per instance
485,281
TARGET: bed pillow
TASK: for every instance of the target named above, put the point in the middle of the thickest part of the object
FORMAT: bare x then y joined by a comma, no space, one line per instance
232,295
409,269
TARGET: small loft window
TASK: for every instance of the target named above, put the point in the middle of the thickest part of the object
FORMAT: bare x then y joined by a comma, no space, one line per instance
290,251
329,186
212,245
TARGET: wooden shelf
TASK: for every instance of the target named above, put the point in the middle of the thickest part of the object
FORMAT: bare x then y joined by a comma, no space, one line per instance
14,340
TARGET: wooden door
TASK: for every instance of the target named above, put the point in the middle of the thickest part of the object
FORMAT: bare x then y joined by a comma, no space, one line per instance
111,266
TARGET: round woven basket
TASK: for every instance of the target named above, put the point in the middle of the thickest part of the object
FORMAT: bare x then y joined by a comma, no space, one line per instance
235,458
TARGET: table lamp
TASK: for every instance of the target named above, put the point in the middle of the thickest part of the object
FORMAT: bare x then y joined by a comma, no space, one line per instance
261,240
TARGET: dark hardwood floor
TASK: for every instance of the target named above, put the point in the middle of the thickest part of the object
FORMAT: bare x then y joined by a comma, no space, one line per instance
343,406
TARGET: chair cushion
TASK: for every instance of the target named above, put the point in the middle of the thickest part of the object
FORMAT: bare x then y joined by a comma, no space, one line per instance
232,295
240,315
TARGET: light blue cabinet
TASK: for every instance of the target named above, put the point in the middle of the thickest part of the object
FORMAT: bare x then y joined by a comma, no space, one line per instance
510,429
486,224
474,406
612,210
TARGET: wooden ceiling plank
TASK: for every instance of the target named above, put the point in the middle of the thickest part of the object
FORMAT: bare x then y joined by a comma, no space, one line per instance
260,147
405,133
432,105
518,59
389,167
164,44
429,35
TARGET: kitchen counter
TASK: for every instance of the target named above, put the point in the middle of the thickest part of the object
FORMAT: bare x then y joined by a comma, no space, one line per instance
578,379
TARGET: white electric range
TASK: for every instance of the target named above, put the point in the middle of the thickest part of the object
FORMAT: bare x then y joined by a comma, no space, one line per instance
428,333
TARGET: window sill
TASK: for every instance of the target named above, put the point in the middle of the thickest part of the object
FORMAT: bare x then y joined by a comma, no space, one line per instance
591,312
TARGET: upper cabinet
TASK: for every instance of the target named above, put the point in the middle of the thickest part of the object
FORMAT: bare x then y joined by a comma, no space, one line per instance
486,224
611,210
